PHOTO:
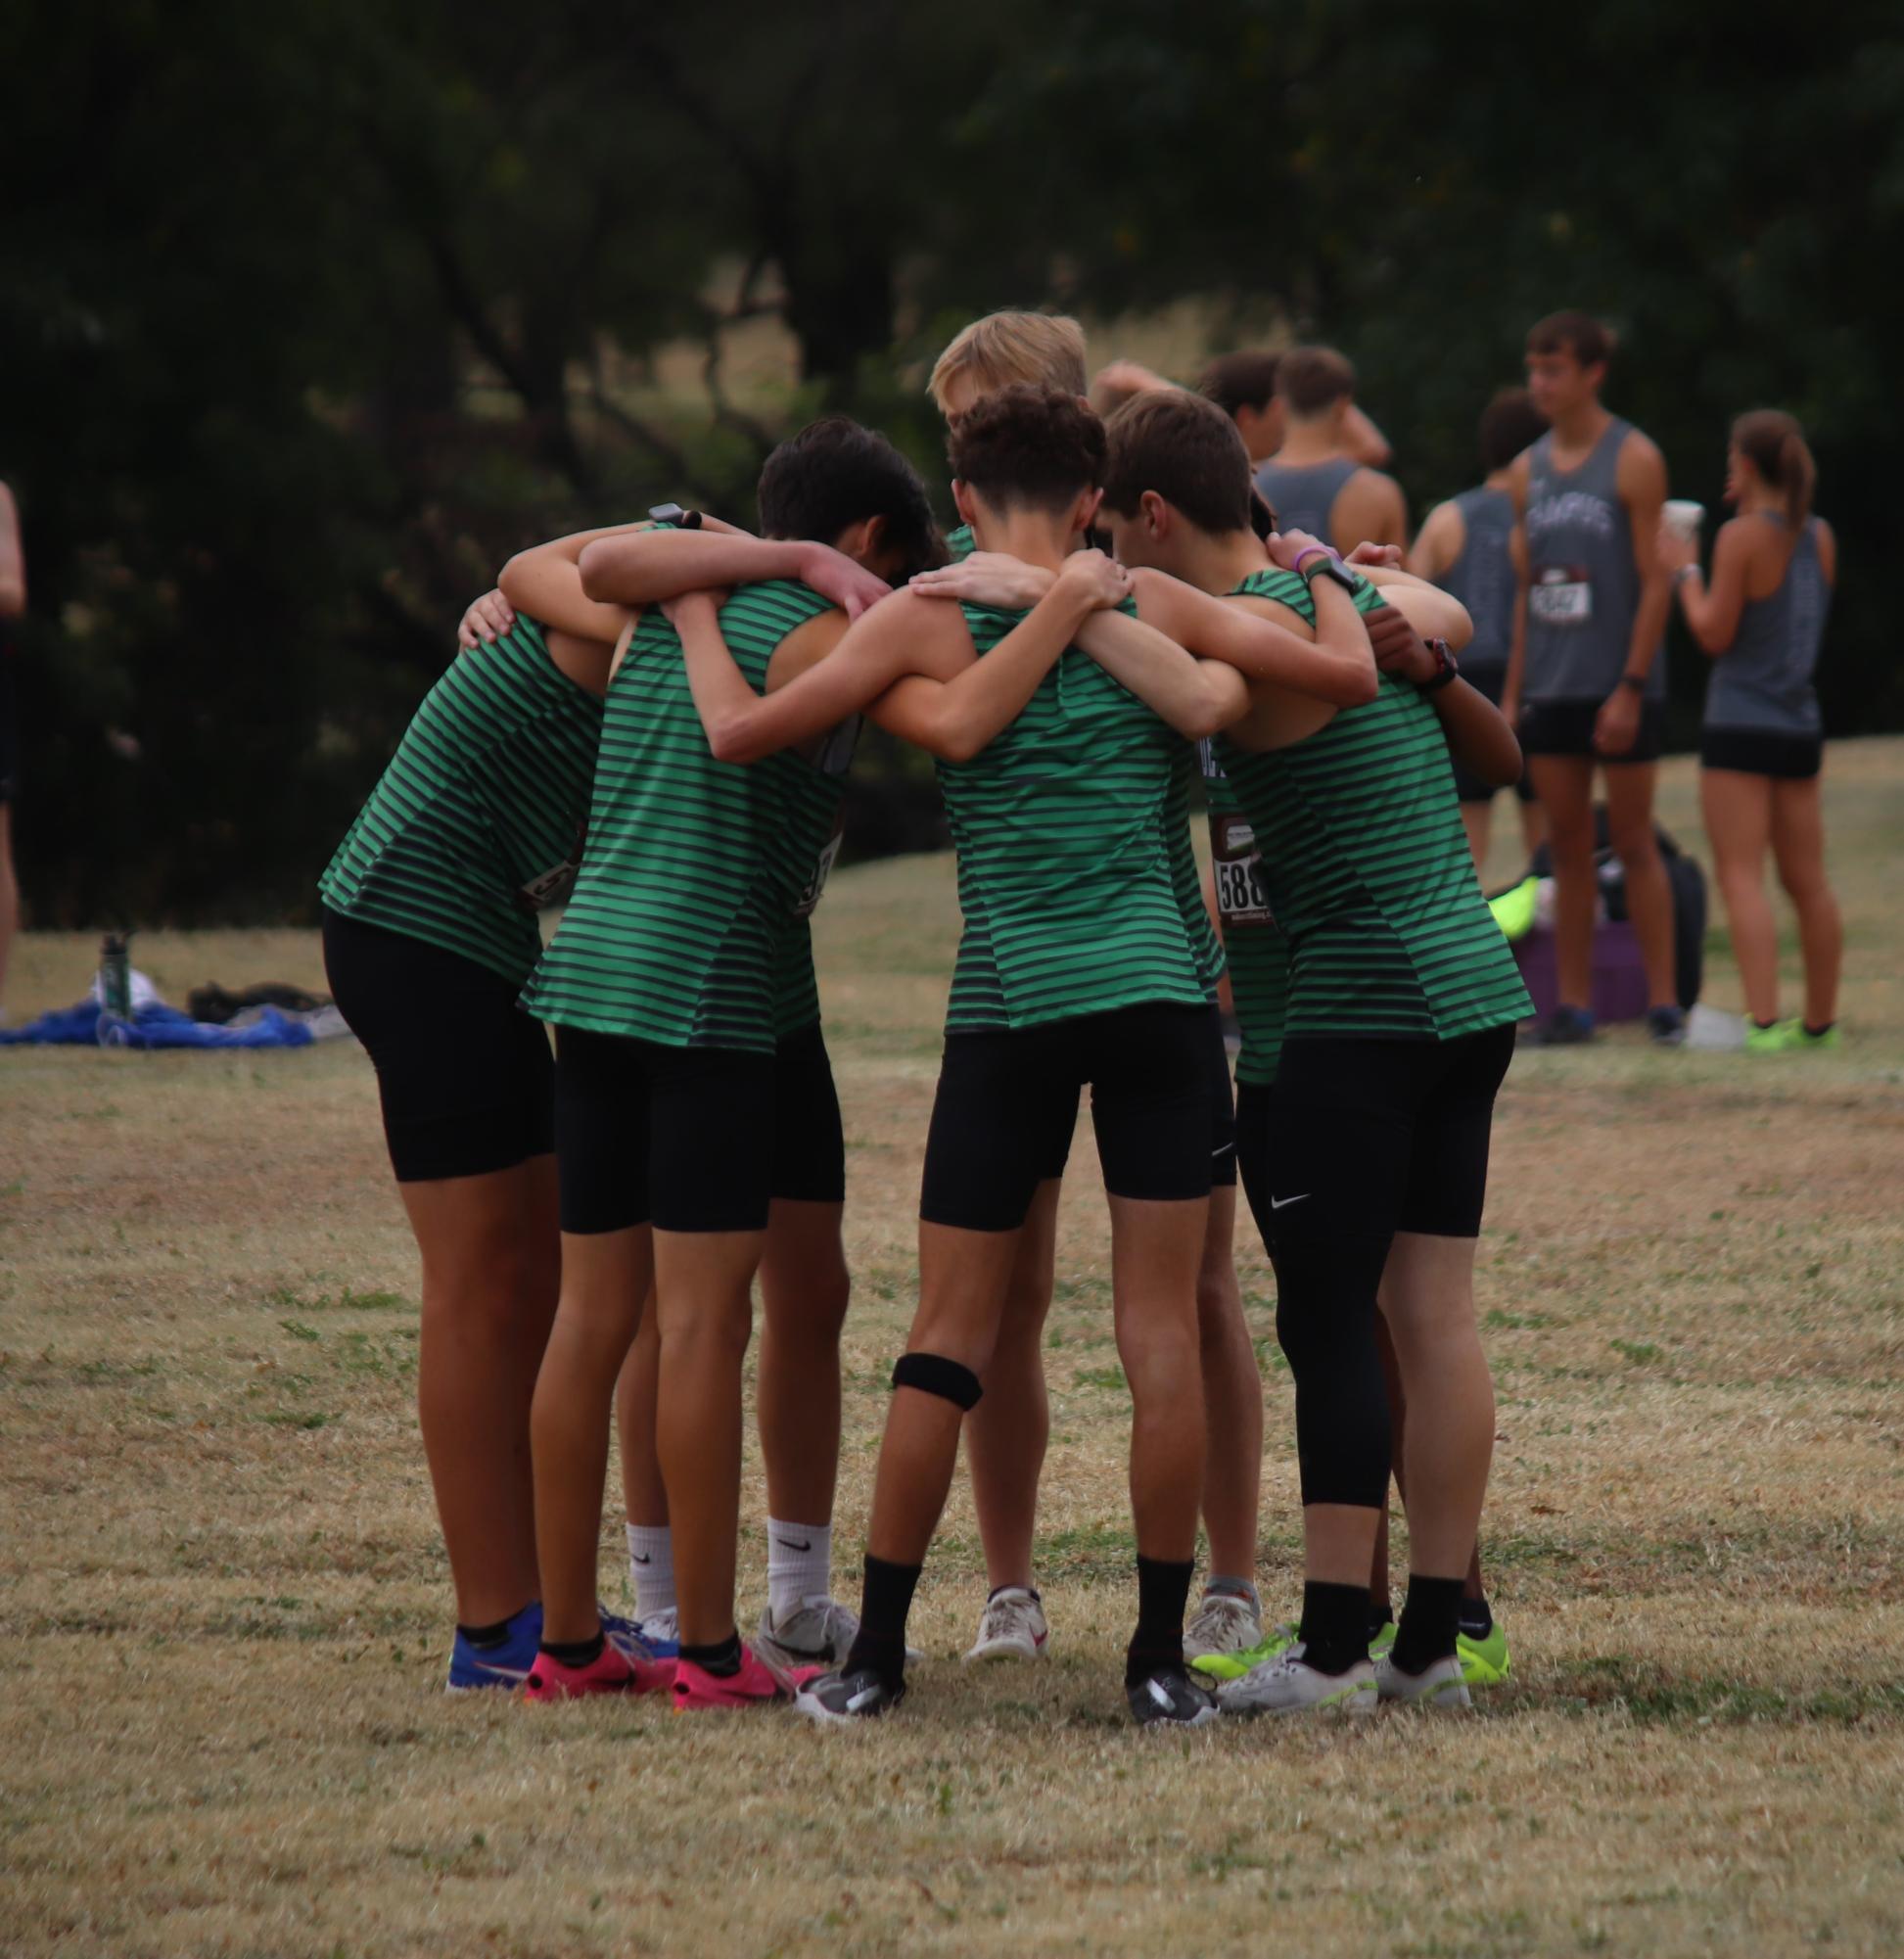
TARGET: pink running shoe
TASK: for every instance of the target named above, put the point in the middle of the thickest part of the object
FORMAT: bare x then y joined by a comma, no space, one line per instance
612,1672
758,1684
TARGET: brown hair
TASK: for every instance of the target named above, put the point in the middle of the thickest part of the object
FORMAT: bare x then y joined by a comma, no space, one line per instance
1509,423
1047,349
1314,378
1028,446
1775,446
1188,450
1575,333
1243,380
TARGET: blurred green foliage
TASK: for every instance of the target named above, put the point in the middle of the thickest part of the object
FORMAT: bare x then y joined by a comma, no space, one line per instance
312,314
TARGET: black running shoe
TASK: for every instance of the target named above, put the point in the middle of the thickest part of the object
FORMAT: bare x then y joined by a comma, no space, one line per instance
1171,1696
861,1696
1565,1027
1667,1026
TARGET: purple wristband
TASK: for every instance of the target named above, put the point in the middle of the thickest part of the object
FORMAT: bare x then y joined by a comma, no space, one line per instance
1310,552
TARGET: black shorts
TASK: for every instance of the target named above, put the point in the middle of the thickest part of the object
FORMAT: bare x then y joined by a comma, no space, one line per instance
1488,680
1751,750
809,1139
464,1074
1369,1138
1222,1120
9,726
1567,728
1006,1098
679,1138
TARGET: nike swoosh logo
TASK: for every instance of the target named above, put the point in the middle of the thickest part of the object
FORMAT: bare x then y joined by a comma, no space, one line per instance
1282,1203
792,1546
636,1558
1221,1149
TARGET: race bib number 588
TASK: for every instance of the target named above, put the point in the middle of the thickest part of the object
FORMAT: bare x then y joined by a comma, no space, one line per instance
1242,895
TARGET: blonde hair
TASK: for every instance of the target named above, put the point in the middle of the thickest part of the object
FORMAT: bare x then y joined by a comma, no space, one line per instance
1044,349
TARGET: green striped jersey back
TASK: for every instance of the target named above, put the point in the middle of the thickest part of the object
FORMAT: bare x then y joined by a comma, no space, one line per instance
476,822
1253,942
1368,873
814,833
680,914
1063,861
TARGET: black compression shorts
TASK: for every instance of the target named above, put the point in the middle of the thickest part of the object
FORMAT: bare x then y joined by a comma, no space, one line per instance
1357,1140
464,1075
809,1140
1752,751
1005,1101
1567,728
1488,680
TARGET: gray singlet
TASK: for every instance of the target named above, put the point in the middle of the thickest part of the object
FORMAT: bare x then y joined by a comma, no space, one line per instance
1763,679
1585,586
1303,496
1482,578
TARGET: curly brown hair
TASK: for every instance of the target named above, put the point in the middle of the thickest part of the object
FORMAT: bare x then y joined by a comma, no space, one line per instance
1029,446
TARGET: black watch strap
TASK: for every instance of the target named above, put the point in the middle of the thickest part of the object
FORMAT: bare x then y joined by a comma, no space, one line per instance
1331,567
1445,668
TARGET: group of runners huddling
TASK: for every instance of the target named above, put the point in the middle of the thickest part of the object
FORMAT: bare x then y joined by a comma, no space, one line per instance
649,728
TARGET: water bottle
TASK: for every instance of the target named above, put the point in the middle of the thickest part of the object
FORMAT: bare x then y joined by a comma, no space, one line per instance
114,984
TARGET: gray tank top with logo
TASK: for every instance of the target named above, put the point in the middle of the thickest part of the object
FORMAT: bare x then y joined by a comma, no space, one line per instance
1302,496
1763,679
1585,589
1482,578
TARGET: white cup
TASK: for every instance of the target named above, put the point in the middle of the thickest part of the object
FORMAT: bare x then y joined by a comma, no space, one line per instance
1684,517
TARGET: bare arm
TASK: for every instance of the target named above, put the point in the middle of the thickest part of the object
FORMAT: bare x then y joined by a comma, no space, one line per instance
1439,543
1641,479
13,559
1364,440
1370,506
1337,666
1478,734
646,566
1523,577
1432,612
546,581
1712,613
1196,697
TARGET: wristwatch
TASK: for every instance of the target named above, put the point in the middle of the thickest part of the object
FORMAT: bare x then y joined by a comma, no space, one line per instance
1637,681
1331,567
672,513
1445,668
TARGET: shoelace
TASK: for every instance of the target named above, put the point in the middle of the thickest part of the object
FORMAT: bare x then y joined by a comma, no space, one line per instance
1004,1617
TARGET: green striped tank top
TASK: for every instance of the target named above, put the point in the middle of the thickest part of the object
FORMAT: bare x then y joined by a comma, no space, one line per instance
1063,861
1185,878
1365,866
816,831
1257,952
477,821
694,866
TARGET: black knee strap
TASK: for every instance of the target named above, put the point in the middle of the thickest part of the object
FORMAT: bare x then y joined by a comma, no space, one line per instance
933,1373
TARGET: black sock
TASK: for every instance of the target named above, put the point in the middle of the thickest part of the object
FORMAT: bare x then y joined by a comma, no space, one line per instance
1430,1618
1379,1615
483,1638
721,1658
1762,1025
1819,1033
1477,1619
575,1652
1163,1594
885,1599
1335,1629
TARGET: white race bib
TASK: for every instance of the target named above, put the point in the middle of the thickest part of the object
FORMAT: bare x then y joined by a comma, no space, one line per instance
1561,595
1242,895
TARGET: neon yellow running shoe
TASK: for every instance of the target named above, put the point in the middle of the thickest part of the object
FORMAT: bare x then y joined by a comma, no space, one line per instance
1484,1661
1383,1641
1234,1665
1776,1039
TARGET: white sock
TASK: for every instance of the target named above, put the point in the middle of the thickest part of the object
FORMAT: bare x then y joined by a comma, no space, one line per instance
799,1565
651,1565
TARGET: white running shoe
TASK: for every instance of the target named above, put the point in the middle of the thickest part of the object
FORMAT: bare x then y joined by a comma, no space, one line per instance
1441,1685
661,1628
1222,1624
821,1633
1289,1684
1011,1627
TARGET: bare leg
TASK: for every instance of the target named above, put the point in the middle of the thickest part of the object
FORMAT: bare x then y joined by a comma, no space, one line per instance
605,1281
704,1284
962,1281
1533,824
1476,820
645,1494
805,1289
1232,1399
10,906
490,1258
1156,1248
1380,1583
1428,1293
1738,811
1649,894
1566,786
1006,1435
1798,843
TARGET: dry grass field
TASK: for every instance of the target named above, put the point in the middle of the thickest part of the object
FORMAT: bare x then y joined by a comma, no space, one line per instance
224,1608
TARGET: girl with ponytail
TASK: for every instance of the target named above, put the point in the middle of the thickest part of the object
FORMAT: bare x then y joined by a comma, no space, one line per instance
1762,620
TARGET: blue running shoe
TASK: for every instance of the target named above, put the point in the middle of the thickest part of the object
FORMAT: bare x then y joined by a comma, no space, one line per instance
639,1640
504,1665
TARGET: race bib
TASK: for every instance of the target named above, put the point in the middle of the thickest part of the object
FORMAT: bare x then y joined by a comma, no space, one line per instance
805,905
1560,595
1242,895
553,886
